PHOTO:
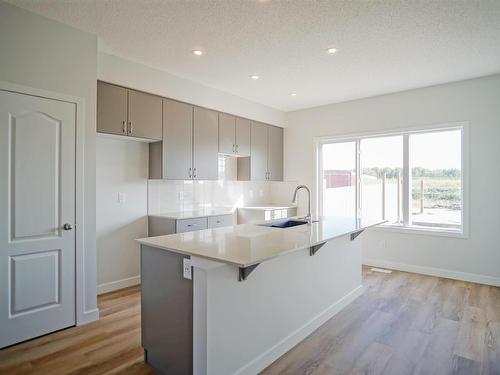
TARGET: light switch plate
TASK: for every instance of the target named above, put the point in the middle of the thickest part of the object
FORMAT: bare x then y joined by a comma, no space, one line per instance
186,264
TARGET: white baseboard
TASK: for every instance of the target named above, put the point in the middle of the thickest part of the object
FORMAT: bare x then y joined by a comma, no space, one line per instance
440,272
118,284
89,317
276,351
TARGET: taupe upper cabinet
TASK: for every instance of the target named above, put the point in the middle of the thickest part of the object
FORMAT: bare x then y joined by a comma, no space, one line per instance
275,154
111,109
189,149
205,144
227,133
128,112
259,151
144,115
234,135
243,131
266,161
177,154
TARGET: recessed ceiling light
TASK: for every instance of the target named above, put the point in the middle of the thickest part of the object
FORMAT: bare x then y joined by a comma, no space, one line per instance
293,94
197,52
255,77
331,51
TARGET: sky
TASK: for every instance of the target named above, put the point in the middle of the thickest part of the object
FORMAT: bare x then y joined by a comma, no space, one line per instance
436,150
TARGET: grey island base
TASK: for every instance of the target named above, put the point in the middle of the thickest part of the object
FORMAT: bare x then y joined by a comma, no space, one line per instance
233,300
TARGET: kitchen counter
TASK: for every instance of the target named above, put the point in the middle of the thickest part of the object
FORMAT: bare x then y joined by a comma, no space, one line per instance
189,214
232,300
247,244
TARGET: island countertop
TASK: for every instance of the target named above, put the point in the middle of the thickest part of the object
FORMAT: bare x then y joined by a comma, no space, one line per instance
244,245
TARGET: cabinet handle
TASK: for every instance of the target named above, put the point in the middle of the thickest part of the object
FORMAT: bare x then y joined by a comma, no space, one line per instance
234,149
237,147
190,175
194,172
130,127
124,127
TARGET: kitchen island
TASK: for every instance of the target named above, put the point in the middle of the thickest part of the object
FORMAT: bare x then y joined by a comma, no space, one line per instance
232,300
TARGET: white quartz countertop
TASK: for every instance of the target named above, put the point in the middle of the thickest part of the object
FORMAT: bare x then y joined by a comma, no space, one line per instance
190,214
247,244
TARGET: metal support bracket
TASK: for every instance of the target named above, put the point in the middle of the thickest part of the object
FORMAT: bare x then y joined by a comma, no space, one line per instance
356,234
314,249
243,272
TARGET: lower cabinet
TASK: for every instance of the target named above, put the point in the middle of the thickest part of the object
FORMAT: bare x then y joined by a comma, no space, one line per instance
162,225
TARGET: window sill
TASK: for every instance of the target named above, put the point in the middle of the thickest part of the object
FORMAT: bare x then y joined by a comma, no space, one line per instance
423,231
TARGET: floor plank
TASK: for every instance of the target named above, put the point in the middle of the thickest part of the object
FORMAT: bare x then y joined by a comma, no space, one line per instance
403,323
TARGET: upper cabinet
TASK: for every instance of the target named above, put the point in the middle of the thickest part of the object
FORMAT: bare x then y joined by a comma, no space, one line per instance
275,154
234,135
259,152
266,160
144,115
190,138
227,133
205,144
189,149
177,154
111,109
128,112
243,131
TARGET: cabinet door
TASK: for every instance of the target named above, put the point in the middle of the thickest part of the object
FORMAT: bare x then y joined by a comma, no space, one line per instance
227,133
144,115
275,158
111,109
177,140
243,130
205,144
258,152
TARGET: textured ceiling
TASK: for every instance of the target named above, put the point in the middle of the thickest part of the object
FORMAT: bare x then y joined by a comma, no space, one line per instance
382,46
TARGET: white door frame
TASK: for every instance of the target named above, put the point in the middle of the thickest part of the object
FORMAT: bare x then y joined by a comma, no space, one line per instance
82,316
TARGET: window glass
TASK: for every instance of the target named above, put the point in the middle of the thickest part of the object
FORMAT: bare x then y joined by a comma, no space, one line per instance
436,191
381,188
339,179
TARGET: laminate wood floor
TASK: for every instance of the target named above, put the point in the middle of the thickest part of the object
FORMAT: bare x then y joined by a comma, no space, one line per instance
403,323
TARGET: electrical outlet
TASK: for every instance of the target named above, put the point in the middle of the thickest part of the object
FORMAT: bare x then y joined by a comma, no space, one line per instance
121,197
186,270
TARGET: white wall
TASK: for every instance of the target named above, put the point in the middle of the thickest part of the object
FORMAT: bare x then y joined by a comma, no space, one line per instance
476,101
121,167
141,77
45,54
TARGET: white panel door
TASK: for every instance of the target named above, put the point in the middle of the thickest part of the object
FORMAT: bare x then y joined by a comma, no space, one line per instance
37,199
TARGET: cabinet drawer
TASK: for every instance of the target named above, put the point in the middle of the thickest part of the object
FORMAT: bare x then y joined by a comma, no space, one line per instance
188,225
220,221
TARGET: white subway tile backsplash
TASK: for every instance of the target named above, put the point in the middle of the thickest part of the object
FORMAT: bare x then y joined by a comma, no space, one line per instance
174,196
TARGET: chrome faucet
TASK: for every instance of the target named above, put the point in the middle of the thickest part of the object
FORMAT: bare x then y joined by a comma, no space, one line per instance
308,217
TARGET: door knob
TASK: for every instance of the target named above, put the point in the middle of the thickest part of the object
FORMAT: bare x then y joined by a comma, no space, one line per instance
67,226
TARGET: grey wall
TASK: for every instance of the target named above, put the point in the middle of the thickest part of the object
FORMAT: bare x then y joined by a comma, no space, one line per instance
45,54
121,167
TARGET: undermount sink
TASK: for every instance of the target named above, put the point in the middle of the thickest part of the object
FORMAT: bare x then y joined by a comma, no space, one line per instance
284,223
